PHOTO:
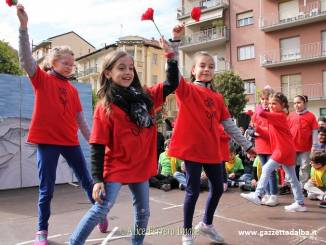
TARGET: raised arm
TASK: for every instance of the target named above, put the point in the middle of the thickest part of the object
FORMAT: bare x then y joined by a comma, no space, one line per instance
172,54
25,54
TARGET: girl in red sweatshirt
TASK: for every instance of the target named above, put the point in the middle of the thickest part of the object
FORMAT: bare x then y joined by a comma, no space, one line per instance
283,153
304,129
263,147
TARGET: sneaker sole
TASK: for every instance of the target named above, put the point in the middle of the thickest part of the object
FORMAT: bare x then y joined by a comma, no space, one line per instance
199,232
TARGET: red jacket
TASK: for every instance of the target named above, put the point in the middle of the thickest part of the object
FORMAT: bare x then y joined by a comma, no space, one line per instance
262,142
283,150
301,127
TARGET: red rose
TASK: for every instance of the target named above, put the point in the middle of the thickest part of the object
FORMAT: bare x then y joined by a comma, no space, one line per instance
249,113
11,2
195,13
148,15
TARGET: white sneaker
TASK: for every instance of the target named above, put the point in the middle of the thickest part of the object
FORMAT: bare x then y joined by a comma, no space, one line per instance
295,207
187,240
265,199
272,201
252,197
209,231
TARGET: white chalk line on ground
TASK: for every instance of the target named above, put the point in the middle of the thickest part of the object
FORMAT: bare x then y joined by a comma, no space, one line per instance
174,206
109,236
49,237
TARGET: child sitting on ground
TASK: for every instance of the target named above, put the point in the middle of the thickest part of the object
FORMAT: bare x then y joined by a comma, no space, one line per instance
234,168
316,185
321,144
250,184
167,167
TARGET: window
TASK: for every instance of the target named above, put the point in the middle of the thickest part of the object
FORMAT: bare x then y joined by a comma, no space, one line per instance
154,79
140,74
322,111
291,85
209,32
131,52
154,59
245,19
206,3
250,86
323,6
290,48
246,52
323,45
288,10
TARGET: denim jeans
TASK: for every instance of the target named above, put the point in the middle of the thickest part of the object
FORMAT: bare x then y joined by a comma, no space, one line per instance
303,163
96,215
270,166
181,177
271,188
47,162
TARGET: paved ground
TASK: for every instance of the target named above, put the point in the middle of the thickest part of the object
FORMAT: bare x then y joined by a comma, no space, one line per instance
18,219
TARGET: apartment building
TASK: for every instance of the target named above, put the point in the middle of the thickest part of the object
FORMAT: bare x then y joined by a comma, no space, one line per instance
283,44
277,42
147,54
78,45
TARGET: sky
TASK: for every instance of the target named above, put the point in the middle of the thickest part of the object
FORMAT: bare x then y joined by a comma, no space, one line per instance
97,21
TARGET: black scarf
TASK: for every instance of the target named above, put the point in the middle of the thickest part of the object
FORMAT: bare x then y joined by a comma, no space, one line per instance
135,103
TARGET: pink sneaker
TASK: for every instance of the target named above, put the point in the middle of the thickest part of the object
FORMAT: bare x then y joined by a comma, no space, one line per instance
41,238
103,227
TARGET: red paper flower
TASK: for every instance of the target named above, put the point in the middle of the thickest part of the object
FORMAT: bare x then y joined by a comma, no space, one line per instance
148,15
249,113
11,2
195,13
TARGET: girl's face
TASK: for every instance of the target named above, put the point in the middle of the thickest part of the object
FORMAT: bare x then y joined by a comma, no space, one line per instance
122,72
316,165
204,69
64,65
264,102
298,105
275,105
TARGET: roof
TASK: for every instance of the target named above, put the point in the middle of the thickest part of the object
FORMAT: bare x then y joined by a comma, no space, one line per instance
97,51
50,38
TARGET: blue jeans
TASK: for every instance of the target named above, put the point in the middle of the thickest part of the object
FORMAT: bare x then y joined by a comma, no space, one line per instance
180,177
303,163
270,166
47,162
271,188
214,172
96,215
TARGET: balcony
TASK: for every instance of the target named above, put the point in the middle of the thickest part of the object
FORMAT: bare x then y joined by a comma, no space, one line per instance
87,72
205,6
310,13
314,91
306,53
204,39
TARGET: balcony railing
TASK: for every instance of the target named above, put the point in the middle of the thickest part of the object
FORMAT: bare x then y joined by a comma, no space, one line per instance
310,52
86,72
203,5
314,91
311,12
209,35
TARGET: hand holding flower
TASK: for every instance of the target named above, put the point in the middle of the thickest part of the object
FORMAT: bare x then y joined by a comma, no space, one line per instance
177,31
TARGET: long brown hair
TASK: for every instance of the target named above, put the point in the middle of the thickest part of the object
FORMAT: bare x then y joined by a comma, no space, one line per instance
104,94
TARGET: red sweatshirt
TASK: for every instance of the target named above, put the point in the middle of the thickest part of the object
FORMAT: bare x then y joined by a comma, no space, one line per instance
301,127
283,150
196,136
262,142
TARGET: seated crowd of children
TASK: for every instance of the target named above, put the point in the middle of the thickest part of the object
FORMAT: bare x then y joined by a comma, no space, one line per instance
243,172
